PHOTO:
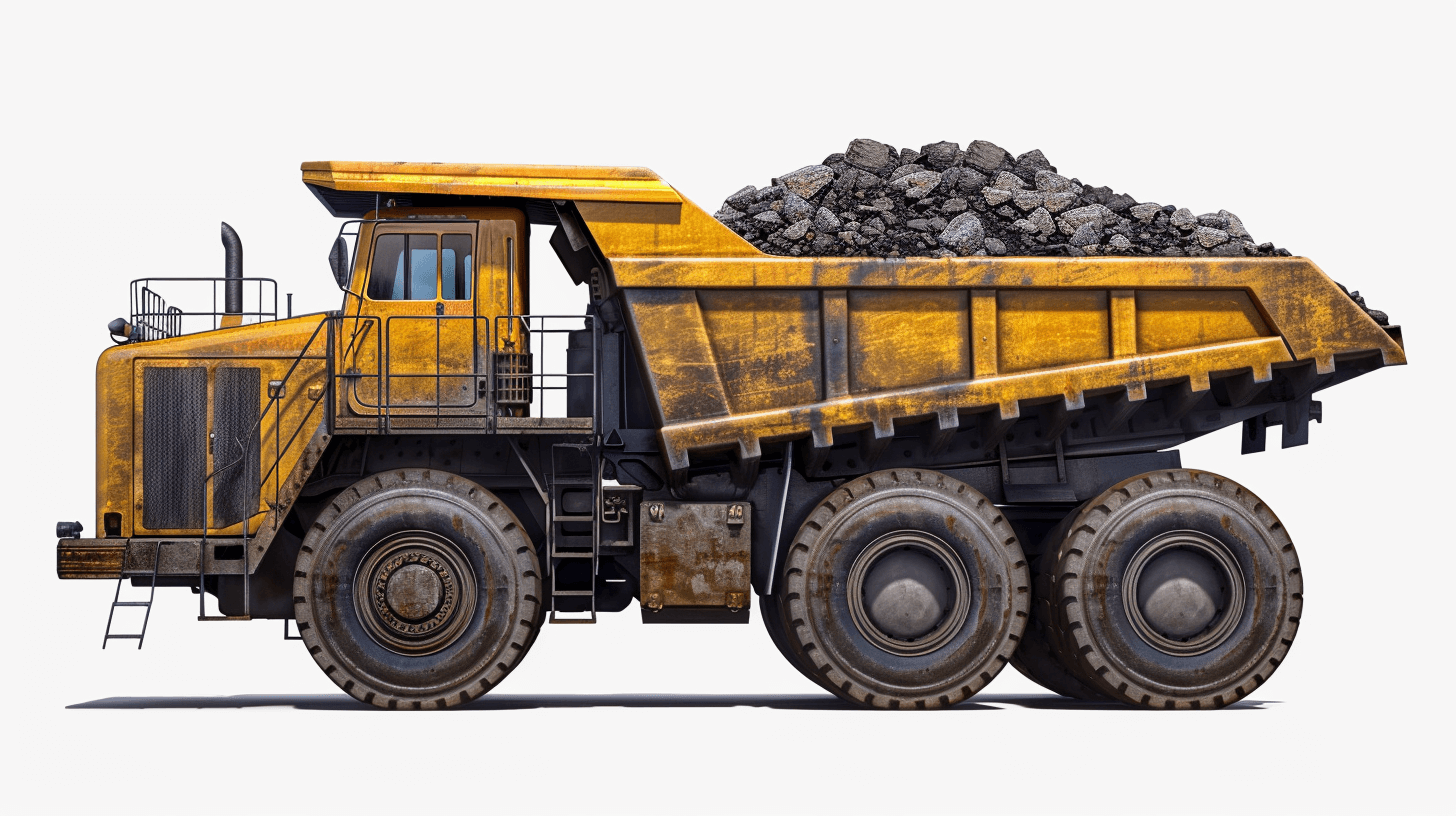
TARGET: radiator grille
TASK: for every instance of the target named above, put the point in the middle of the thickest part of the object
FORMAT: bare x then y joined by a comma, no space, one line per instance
235,452
174,447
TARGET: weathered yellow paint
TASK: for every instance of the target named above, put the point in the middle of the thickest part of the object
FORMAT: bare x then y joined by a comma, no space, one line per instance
766,345
271,347
508,180
1041,328
900,338
1169,319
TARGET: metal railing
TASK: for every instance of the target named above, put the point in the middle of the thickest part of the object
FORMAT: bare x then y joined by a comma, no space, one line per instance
341,392
153,319
526,347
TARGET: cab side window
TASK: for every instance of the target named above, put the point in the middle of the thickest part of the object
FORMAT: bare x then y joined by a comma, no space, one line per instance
455,267
421,267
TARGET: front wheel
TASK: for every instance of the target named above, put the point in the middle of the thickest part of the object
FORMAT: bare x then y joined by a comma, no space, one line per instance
1176,589
417,589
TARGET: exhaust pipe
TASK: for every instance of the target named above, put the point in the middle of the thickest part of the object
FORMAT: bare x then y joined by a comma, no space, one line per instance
233,270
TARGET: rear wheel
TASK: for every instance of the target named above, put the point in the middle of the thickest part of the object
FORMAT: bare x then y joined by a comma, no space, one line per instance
417,589
905,589
1177,589
1042,655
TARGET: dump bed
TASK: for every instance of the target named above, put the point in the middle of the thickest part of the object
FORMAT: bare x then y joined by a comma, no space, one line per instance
740,348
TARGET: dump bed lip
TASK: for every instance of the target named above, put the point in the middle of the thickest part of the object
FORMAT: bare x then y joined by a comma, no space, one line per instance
571,182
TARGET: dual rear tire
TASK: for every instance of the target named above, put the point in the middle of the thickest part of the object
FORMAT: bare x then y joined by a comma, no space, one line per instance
908,589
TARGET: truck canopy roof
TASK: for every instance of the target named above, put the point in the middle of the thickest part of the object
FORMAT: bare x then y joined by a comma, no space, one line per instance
349,189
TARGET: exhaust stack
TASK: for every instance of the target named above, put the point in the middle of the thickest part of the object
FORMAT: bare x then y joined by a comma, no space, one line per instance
233,270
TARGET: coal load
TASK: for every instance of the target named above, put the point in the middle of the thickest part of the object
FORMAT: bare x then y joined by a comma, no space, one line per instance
943,201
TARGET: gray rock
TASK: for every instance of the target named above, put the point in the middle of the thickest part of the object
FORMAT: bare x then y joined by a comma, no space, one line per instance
798,229
1056,202
995,195
905,170
1033,162
742,199
1041,222
941,155
1005,211
1024,225
1183,219
727,213
1008,181
1218,220
825,245
995,246
1235,226
964,180
1210,237
1228,249
796,208
1145,212
868,154
963,233
768,219
937,224
917,185
1086,235
773,193
1072,220
1049,182
919,224
1027,200
1119,242
884,204
986,156
908,156
806,182
826,221
954,205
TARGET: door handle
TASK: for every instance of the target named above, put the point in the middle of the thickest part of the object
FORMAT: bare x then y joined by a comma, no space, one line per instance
439,308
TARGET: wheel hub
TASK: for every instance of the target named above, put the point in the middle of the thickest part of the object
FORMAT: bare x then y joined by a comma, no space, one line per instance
908,593
1184,593
414,593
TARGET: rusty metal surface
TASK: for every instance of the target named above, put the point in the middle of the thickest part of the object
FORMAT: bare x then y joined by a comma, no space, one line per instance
89,558
695,556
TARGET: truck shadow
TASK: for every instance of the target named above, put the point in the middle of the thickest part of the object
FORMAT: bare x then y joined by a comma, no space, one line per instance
514,702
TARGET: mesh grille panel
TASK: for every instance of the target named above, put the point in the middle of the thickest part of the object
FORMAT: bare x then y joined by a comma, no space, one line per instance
174,447
235,452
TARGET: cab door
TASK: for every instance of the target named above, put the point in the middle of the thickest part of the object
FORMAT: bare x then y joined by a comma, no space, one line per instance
417,342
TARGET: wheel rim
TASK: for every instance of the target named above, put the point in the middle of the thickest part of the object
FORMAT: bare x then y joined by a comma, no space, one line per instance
1184,593
415,592
908,593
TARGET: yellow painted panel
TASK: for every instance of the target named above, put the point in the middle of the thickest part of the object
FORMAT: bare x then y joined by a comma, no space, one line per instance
1168,320
767,346
907,337
1041,328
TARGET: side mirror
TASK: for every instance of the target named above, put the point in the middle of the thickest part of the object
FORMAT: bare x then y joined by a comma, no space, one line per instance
339,262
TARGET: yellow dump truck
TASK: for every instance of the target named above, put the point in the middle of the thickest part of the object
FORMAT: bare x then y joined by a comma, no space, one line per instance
924,468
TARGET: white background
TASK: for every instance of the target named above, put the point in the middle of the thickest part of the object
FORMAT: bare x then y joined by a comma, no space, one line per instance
130,131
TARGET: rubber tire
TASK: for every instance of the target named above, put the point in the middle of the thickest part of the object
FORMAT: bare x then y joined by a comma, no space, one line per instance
820,627
772,612
508,609
1042,656
1087,585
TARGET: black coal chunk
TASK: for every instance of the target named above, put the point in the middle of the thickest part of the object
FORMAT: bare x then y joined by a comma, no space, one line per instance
943,200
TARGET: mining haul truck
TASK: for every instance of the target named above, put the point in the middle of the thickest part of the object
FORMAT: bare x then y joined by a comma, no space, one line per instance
918,469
